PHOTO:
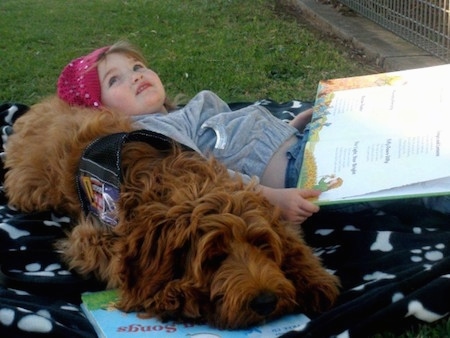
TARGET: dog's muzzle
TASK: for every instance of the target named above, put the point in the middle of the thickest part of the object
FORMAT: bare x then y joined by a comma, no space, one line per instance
264,303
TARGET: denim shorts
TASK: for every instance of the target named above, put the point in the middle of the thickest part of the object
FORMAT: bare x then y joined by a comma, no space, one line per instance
295,160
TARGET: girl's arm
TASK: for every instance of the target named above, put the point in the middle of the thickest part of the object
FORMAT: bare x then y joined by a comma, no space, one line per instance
293,202
301,120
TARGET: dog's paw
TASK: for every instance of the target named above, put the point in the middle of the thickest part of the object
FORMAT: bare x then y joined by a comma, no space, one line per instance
319,295
177,301
167,301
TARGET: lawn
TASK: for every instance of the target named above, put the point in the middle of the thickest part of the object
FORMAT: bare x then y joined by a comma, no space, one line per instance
242,50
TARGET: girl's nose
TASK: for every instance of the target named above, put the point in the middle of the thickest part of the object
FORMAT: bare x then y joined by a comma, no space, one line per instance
136,76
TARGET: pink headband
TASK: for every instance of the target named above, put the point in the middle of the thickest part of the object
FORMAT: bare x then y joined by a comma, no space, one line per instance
79,83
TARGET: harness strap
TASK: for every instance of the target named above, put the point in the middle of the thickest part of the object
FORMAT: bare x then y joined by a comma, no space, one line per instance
99,175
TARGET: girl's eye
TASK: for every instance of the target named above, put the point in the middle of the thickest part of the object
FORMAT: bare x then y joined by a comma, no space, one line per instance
112,80
137,66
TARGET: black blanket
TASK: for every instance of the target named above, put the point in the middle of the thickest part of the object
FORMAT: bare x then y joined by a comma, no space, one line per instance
394,265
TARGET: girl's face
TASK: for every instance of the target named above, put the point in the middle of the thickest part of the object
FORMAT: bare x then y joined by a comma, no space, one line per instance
129,87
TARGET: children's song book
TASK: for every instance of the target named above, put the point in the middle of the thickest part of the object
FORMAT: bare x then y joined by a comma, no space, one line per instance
109,322
381,136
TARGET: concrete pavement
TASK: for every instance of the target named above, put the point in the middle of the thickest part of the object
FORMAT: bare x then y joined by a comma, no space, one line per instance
386,49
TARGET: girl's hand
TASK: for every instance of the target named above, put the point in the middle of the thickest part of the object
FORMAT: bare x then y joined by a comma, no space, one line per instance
294,204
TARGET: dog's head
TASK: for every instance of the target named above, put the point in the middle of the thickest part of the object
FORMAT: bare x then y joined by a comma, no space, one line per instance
197,244
43,153
239,257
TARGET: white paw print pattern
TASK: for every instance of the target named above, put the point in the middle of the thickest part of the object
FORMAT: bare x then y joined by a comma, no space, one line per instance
39,322
30,321
38,269
428,254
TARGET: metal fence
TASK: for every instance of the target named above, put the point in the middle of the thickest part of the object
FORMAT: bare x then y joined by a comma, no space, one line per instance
424,23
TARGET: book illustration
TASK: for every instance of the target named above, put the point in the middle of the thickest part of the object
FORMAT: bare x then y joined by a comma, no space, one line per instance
370,134
375,80
328,182
105,300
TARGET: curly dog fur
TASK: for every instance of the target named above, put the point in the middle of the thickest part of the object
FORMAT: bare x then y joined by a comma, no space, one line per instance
192,243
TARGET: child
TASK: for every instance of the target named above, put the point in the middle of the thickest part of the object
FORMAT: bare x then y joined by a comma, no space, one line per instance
250,141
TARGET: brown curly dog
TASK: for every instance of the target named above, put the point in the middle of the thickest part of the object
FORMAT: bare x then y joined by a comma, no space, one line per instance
191,244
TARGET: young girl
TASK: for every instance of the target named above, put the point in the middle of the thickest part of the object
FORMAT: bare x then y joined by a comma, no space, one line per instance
250,141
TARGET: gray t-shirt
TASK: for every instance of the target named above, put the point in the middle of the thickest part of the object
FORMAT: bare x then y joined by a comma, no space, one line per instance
243,140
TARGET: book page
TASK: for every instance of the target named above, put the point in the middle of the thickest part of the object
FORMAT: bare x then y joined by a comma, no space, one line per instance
383,137
430,188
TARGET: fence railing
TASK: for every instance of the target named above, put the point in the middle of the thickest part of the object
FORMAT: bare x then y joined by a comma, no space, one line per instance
424,23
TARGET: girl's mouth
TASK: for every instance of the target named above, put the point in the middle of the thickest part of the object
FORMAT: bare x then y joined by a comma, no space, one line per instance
142,87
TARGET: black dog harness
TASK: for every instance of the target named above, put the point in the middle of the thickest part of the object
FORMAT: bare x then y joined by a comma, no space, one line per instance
99,174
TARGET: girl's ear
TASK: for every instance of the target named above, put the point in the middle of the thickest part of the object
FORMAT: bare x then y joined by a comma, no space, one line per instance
169,105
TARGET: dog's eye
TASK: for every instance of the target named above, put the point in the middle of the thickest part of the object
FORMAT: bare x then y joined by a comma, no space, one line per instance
265,246
213,262
217,259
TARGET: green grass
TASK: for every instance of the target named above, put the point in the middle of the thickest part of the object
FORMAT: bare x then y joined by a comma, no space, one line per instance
438,329
241,49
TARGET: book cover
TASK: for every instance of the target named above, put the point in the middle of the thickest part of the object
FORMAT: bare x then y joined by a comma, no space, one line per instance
380,136
110,322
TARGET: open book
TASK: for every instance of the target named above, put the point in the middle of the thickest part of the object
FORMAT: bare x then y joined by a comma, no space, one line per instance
109,322
381,136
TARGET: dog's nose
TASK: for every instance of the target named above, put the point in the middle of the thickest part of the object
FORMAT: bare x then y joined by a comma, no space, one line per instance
264,303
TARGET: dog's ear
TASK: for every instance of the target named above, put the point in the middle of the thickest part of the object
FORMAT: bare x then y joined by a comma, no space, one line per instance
317,289
153,251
